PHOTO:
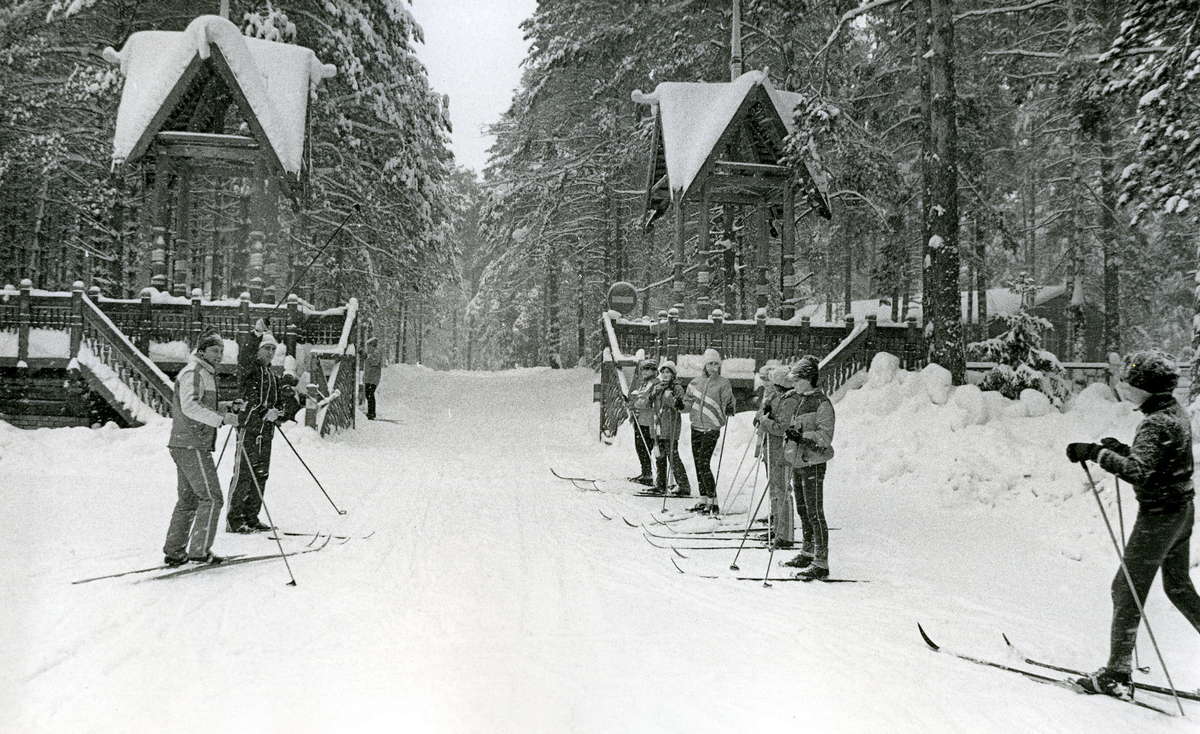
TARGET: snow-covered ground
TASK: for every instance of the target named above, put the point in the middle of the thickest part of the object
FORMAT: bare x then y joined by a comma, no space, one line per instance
493,597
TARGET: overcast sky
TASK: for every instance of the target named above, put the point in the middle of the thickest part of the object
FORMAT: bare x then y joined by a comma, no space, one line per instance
473,49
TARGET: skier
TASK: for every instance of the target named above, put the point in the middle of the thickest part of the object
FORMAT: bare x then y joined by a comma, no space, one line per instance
372,368
266,403
709,399
642,418
1159,466
195,416
666,402
809,447
775,419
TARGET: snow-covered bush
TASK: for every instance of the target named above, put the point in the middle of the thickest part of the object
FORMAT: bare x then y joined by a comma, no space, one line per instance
1021,363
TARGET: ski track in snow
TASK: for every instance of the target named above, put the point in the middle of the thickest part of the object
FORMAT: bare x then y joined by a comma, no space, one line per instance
494,598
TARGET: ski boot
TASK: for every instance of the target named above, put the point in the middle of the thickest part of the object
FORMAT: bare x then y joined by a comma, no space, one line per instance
813,573
804,560
1109,682
211,558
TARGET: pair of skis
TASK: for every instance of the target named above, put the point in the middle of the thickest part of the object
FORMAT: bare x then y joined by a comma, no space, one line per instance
766,581
1067,683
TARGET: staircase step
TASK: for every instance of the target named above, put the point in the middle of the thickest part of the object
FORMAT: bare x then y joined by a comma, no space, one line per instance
43,421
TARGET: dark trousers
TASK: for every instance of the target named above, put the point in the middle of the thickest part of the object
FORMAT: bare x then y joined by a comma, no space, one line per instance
667,447
703,445
1157,540
643,443
808,487
244,501
369,389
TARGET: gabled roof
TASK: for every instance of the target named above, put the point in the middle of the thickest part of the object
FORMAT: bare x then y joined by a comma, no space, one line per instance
692,119
269,81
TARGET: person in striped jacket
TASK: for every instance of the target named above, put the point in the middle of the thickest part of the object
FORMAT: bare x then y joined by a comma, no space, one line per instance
709,400
195,417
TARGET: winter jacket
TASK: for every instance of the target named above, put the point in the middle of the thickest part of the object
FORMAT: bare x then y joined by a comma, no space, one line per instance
372,367
783,407
194,416
1159,463
666,400
639,398
814,417
261,389
769,395
710,402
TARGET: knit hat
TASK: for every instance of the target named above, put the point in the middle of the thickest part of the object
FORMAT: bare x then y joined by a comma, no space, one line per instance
711,355
647,363
781,378
267,341
764,373
211,339
1152,370
668,365
808,368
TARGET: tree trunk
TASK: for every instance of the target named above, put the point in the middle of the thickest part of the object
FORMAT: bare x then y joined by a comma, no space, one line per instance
940,166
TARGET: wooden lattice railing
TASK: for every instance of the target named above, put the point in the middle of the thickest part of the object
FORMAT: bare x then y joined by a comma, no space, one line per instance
333,380
113,349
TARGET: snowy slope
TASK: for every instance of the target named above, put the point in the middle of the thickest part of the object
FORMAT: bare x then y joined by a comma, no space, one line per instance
496,598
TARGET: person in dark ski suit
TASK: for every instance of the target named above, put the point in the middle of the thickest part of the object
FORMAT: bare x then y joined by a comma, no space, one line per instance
808,448
1159,466
709,399
642,418
372,369
266,403
666,402
195,417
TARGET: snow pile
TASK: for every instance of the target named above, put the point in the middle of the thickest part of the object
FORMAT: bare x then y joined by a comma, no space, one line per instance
173,351
134,406
43,343
275,79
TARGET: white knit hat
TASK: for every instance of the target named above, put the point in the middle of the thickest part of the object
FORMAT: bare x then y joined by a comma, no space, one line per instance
781,377
711,355
667,364
267,341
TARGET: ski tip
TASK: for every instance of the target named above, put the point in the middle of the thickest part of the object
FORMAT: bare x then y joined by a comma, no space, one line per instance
1006,640
676,565
933,645
677,552
629,523
606,517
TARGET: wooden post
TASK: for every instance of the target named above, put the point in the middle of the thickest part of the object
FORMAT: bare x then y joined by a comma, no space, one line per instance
703,272
849,324
805,335
869,342
181,242
145,321
76,317
718,339
292,331
760,338
159,206
158,258
787,243
243,322
24,317
677,286
256,266
912,346
660,339
673,337
197,325
314,392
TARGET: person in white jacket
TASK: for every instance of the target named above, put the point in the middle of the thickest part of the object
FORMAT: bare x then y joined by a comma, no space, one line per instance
709,400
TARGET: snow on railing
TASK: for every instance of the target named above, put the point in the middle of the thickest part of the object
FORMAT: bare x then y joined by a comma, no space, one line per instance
332,398
112,348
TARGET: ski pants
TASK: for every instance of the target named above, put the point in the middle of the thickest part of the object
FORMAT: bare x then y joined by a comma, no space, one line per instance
778,474
198,510
808,485
245,502
643,443
668,447
703,445
1157,540
369,390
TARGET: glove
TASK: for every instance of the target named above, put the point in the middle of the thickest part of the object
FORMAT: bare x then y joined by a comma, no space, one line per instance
1081,452
1114,445
230,419
272,415
794,434
767,410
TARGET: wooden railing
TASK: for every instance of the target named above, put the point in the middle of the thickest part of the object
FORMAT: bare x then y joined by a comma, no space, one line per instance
113,349
333,380
851,356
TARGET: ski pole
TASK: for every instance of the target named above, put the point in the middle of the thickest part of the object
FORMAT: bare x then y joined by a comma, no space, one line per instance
1132,587
258,488
223,445
720,458
670,472
750,520
730,496
310,471
356,208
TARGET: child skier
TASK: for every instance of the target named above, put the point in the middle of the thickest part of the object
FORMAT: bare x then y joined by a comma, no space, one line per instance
642,418
1159,466
709,399
810,446
775,419
666,401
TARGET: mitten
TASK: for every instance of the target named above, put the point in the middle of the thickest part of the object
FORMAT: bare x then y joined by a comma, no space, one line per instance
1114,445
1081,452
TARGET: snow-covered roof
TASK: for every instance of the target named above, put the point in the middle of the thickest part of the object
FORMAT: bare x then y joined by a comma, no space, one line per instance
275,79
1000,302
695,114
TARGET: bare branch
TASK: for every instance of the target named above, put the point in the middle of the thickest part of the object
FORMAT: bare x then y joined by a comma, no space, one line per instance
1007,9
850,15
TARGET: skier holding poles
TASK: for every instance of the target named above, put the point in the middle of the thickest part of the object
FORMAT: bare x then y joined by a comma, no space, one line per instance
808,447
266,403
642,418
1159,466
774,421
666,402
709,399
195,416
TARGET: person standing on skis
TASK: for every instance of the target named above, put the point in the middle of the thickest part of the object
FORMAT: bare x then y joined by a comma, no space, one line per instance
195,417
642,418
774,421
666,402
266,403
808,448
709,399
1159,466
